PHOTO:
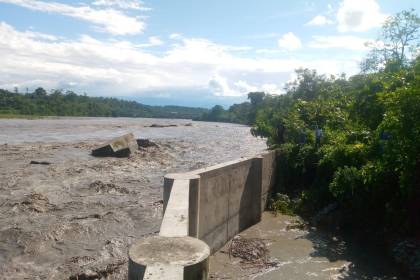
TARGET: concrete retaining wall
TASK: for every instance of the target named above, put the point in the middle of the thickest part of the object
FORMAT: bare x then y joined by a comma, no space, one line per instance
227,201
216,203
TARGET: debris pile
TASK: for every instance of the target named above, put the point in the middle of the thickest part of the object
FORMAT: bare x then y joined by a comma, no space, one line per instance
163,125
37,202
100,273
251,251
298,225
102,187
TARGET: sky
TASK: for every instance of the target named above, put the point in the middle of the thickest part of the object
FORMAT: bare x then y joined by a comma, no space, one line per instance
183,52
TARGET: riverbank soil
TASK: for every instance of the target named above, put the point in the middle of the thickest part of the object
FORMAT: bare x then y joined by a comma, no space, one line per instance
297,252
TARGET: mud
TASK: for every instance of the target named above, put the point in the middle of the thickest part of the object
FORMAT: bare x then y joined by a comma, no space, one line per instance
298,252
76,217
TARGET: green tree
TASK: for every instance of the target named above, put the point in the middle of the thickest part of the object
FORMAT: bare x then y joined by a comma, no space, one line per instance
367,160
256,98
400,34
57,103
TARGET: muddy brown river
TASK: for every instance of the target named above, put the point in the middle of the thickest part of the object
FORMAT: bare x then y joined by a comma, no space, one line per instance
76,217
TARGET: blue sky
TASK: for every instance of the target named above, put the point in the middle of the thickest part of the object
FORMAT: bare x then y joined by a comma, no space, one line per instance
196,53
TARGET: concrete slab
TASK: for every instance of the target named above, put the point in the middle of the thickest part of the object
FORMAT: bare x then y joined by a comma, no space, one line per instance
175,222
187,196
121,146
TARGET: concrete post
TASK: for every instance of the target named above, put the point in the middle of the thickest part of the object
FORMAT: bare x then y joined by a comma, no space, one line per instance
160,258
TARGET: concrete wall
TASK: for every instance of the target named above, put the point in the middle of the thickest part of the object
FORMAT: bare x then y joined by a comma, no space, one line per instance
227,201
223,200
268,176
216,203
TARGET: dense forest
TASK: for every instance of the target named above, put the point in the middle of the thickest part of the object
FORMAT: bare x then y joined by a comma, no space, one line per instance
57,103
349,144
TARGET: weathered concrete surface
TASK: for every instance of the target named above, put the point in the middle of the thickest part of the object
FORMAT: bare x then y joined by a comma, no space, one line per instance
175,219
232,197
161,257
180,206
118,147
269,165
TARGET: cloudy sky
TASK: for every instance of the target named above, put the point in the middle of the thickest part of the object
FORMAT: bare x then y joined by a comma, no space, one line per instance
186,52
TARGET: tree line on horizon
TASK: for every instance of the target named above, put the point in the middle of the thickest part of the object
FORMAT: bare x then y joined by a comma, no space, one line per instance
59,103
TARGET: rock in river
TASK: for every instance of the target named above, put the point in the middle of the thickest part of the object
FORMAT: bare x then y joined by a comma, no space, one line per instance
145,143
121,146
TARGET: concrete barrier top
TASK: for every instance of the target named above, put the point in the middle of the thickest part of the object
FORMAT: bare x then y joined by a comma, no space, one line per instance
178,251
215,168
175,222
182,176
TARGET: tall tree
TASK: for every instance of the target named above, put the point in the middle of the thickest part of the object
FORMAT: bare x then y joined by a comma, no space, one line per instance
256,98
400,35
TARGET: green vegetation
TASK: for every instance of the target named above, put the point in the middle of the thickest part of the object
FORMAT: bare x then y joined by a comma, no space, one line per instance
57,103
243,113
354,142
281,203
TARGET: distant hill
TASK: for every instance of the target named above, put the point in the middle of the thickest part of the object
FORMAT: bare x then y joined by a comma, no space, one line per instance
58,103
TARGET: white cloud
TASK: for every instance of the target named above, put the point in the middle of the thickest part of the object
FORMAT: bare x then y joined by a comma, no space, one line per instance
340,42
106,20
118,67
175,36
268,51
359,15
220,86
289,41
122,4
153,41
319,20
244,87
272,88
198,51
38,35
